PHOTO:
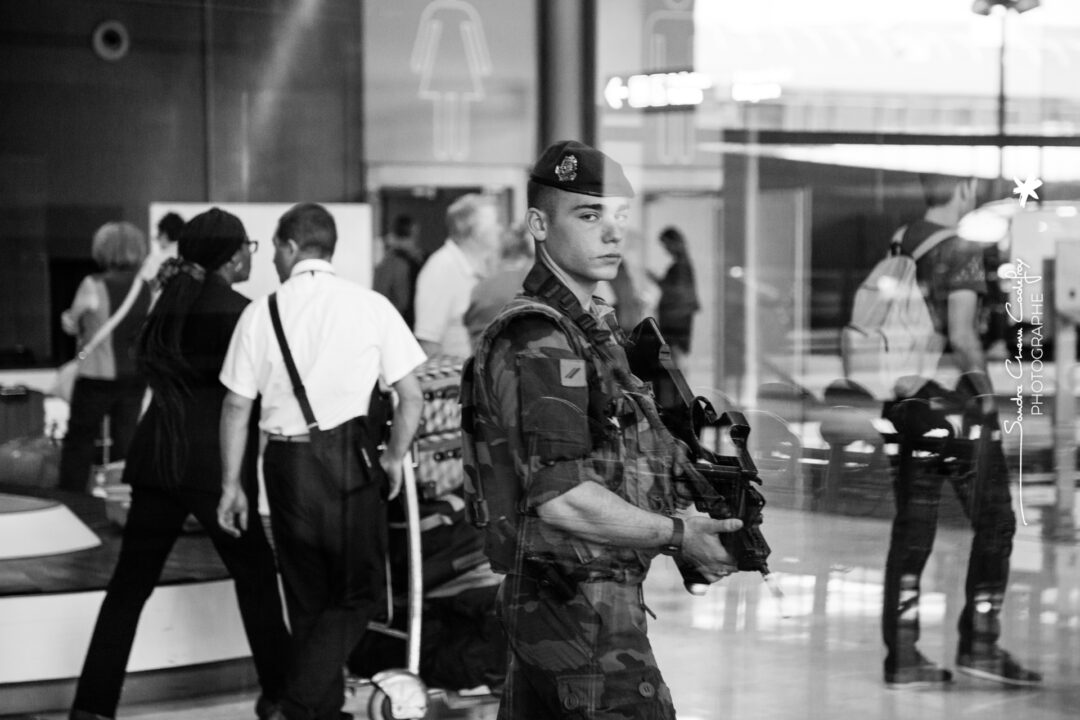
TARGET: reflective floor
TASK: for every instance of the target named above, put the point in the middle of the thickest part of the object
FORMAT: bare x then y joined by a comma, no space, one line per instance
817,654
738,652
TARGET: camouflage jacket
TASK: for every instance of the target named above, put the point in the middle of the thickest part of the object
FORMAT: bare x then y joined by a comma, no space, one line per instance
557,406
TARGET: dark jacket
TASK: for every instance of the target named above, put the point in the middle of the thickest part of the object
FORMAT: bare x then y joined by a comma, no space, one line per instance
203,343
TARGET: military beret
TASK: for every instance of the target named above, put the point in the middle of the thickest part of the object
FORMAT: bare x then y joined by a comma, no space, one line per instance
575,167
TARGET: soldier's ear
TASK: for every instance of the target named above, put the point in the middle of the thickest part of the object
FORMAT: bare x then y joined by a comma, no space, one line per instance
536,221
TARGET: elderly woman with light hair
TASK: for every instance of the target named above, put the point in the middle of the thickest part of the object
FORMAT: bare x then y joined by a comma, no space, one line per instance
106,382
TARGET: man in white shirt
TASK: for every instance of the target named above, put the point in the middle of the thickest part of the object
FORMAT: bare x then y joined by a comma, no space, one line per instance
327,508
446,281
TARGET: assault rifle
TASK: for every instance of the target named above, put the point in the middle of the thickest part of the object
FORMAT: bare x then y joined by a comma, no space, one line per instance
720,485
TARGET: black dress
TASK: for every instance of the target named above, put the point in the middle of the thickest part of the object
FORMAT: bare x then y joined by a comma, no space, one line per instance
678,303
159,508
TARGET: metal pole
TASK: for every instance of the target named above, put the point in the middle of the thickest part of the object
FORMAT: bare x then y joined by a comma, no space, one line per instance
1001,97
751,374
1064,426
416,567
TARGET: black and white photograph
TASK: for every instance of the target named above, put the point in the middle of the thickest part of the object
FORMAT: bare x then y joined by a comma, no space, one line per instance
538,359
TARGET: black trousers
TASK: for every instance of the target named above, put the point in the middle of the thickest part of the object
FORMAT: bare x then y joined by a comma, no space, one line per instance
988,506
331,548
91,401
154,522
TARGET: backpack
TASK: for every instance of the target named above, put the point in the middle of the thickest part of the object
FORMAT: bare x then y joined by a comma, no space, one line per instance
892,335
492,495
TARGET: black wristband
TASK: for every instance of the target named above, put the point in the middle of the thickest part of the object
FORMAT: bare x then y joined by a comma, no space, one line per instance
674,545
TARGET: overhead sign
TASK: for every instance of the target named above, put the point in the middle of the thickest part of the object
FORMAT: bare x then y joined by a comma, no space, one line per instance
657,91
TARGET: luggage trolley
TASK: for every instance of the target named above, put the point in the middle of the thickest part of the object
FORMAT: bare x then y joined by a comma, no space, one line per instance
432,471
399,693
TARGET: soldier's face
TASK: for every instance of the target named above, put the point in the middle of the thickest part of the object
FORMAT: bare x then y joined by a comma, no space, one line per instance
583,235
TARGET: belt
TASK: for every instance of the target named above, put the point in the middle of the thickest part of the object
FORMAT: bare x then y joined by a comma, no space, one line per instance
621,574
289,438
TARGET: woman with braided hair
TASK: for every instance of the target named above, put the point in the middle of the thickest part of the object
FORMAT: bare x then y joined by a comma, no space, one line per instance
174,466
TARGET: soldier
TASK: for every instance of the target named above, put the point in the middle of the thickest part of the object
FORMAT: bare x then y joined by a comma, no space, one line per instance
557,408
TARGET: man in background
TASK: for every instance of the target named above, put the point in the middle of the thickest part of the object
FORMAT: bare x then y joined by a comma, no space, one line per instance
327,496
395,275
447,279
492,293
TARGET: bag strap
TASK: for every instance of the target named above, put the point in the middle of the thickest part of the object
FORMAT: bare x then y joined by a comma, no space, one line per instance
103,332
542,284
294,376
932,242
924,247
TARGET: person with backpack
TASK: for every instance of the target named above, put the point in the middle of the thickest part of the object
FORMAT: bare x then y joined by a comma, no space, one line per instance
951,277
395,275
576,466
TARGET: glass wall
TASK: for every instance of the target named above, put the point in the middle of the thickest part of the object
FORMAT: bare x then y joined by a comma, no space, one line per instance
799,160
789,174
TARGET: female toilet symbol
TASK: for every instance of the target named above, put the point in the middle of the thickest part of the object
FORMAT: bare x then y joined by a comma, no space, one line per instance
451,57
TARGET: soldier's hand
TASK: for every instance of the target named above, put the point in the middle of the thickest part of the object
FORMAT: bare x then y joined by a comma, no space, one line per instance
702,547
232,512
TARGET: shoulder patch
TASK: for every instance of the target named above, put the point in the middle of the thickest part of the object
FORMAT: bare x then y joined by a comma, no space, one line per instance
572,372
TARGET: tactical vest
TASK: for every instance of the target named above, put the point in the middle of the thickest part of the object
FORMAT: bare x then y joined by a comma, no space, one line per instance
631,450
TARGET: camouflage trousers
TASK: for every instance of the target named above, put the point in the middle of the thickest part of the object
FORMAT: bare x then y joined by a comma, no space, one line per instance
586,657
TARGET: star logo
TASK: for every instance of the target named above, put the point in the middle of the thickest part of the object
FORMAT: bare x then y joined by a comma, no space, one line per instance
1026,189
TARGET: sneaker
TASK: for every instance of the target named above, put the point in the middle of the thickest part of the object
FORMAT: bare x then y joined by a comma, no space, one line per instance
919,672
997,665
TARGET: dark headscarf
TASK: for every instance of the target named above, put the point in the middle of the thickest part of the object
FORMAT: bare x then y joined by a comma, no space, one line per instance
208,241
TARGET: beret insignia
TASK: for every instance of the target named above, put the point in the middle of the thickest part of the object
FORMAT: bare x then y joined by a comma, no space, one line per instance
567,169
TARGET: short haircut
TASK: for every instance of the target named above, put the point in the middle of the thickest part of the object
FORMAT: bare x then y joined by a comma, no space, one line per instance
517,242
403,226
541,197
462,214
938,189
119,246
171,226
311,226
